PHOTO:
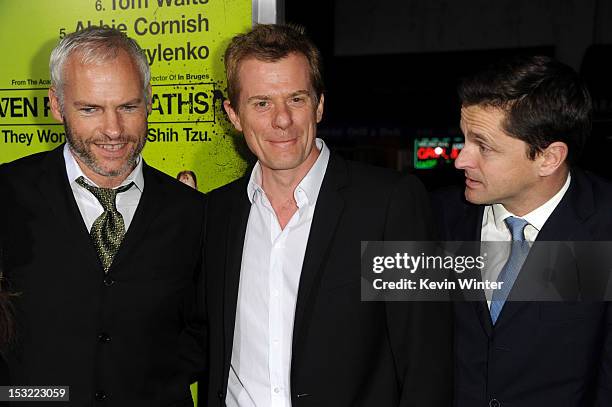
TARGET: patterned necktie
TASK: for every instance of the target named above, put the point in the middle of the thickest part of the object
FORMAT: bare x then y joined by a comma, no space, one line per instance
508,274
108,230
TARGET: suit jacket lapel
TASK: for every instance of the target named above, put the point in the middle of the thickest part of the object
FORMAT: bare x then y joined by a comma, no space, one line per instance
473,220
54,186
151,202
239,216
565,223
329,207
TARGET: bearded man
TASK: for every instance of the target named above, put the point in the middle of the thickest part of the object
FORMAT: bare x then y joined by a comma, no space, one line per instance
101,248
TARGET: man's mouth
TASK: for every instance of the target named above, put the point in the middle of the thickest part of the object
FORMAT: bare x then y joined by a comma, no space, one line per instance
111,147
282,143
471,182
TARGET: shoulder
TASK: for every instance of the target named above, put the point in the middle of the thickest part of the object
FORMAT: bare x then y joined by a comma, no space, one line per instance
376,180
590,196
396,203
230,190
601,187
454,216
24,167
450,200
173,189
229,198
228,195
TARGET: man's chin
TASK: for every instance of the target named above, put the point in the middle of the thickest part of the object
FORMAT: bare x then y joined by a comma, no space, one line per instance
114,171
474,197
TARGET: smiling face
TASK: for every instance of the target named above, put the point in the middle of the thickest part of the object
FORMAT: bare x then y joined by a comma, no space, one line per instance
278,113
497,168
105,116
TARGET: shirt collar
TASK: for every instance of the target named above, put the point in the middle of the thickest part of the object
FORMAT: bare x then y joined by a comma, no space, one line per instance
74,171
536,218
307,191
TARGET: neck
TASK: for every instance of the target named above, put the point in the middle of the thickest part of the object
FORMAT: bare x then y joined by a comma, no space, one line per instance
542,193
279,186
102,181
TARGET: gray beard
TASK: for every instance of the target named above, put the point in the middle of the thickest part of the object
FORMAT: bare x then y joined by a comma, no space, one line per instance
82,151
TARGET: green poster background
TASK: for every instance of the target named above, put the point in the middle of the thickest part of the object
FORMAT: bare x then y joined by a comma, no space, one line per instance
184,42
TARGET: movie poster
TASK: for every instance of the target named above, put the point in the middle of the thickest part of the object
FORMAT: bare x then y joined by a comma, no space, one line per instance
184,42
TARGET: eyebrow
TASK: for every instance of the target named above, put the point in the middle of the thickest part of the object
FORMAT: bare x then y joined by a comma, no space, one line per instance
78,103
481,138
268,97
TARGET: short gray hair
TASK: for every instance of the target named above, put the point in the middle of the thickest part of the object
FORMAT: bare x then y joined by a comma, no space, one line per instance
96,44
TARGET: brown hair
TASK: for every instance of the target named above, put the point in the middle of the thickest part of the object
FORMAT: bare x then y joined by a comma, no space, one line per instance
270,43
544,101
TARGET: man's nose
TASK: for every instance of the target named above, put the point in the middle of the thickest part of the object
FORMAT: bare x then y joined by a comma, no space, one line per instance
282,117
464,159
112,126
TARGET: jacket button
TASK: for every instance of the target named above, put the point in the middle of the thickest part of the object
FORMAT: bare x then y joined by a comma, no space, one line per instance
220,394
494,403
108,281
104,338
100,396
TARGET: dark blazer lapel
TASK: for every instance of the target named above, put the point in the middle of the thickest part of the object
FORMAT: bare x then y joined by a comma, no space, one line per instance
565,223
54,186
151,202
468,229
329,207
238,219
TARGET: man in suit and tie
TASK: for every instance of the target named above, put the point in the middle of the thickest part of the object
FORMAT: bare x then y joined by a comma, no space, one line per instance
525,121
101,249
282,255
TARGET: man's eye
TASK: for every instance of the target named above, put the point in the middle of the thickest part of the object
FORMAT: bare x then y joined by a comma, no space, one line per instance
298,100
261,104
87,110
484,148
130,108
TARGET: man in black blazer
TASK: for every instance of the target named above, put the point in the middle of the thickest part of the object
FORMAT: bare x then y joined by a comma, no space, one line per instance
282,255
111,323
525,121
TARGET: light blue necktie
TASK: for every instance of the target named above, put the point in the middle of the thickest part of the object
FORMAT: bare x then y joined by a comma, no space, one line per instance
508,274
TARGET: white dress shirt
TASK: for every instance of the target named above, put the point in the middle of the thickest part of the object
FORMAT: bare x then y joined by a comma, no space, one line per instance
494,229
269,278
88,204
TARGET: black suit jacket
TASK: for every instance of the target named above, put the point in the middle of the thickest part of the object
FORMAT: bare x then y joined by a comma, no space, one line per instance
546,353
118,337
345,352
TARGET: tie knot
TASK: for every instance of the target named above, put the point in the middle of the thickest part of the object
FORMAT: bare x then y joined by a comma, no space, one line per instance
106,196
516,227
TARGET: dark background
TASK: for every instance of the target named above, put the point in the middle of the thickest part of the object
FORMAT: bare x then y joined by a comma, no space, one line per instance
391,67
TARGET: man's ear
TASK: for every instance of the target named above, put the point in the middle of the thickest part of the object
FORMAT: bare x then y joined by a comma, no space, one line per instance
56,107
320,108
552,157
233,116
